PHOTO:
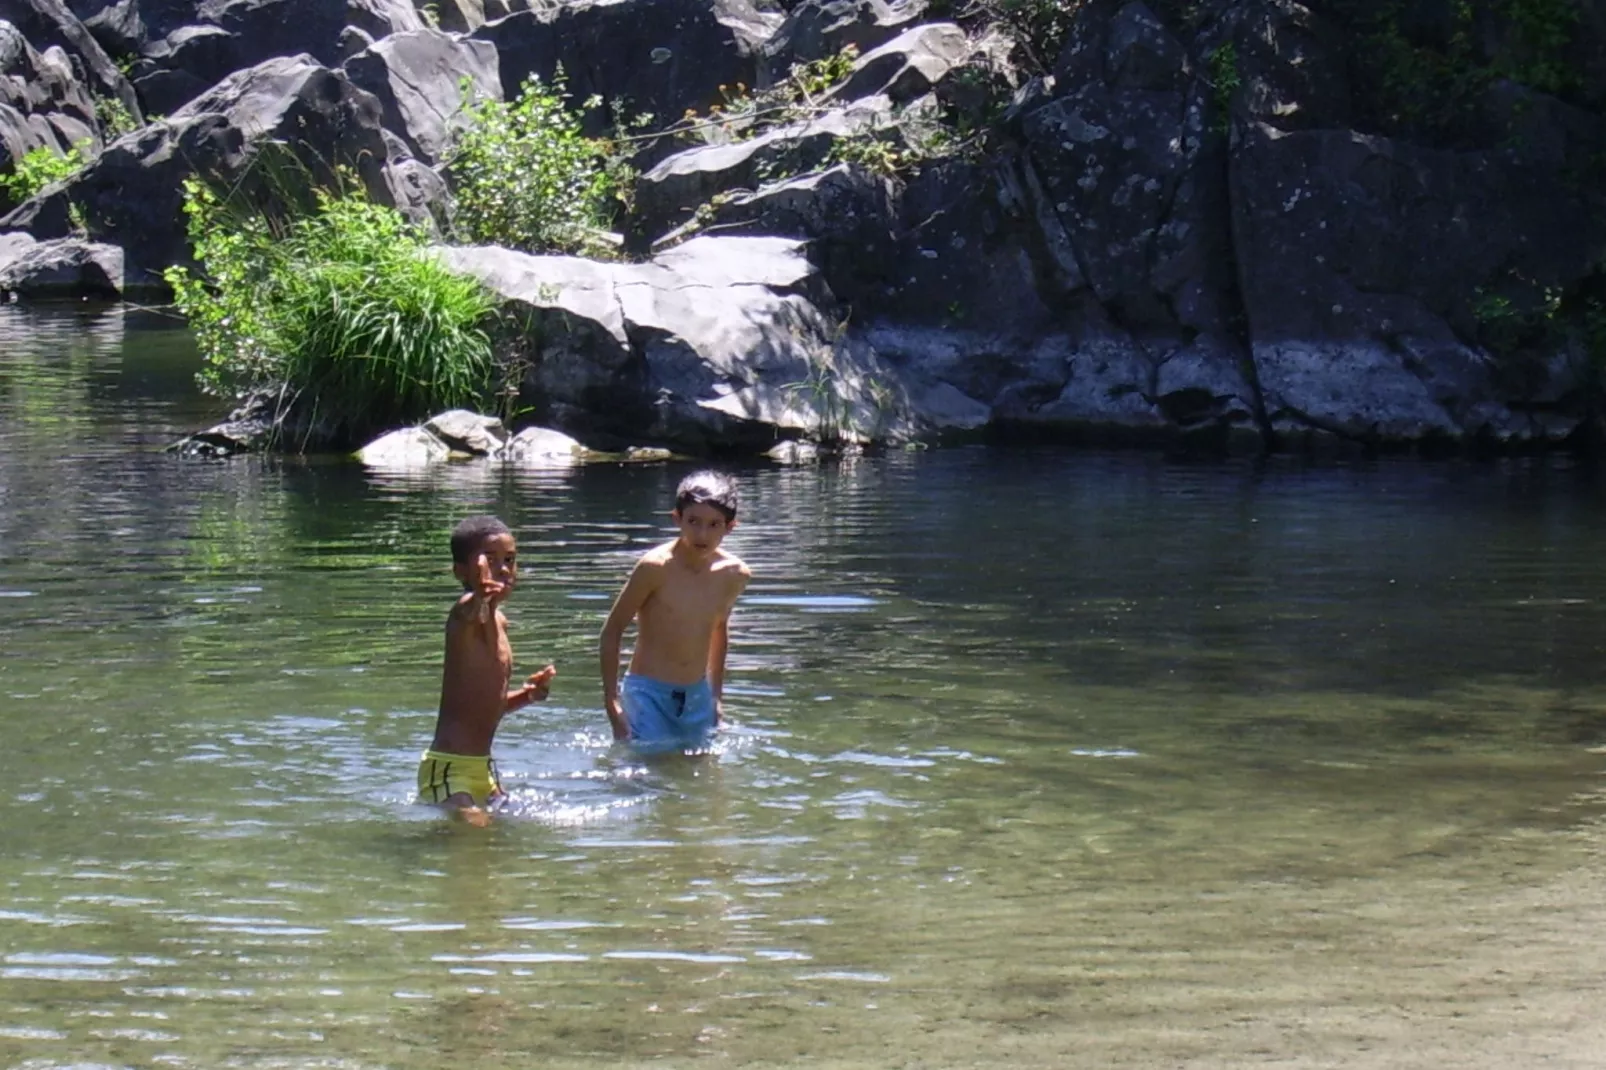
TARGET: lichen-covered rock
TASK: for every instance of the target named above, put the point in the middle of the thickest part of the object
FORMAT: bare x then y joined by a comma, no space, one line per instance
1359,262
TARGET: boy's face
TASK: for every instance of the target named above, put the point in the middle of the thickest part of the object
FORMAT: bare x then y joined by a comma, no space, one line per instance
702,527
501,563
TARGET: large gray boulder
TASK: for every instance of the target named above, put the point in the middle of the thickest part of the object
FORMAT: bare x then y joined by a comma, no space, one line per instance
230,35
721,342
417,77
660,57
131,195
63,268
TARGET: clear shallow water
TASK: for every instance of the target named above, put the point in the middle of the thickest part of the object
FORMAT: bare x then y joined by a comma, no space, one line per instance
1039,758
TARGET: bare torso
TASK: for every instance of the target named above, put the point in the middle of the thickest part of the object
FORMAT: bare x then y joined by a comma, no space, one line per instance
474,681
676,623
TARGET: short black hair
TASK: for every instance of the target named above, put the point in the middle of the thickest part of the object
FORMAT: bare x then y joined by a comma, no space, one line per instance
471,533
707,487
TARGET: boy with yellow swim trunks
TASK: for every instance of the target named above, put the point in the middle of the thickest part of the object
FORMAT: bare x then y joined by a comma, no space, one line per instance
457,770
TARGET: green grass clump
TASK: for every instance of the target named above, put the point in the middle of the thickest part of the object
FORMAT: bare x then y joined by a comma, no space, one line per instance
340,304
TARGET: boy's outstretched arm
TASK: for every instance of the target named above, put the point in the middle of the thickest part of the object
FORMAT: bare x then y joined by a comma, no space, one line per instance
643,581
534,690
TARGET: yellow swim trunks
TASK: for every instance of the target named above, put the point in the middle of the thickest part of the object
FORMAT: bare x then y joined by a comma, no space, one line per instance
442,775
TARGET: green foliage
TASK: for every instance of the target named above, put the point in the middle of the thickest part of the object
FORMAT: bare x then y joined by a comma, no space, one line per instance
341,305
1522,320
115,118
1539,34
875,154
618,149
525,176
1425,81
1528,327
1226,81
39,168
807,82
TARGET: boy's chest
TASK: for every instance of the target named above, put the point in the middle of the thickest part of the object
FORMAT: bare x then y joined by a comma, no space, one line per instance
691,599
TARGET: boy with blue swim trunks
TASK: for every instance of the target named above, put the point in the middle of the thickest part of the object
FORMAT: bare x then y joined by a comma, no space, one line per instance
457,771
680,595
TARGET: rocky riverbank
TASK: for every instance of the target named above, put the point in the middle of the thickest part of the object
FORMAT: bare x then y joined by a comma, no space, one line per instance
1202,222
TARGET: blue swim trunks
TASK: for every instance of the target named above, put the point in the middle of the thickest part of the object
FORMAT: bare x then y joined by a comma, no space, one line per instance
667,715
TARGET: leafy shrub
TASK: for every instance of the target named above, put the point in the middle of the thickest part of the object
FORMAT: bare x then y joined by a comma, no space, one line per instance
115,118
524,176
1427,81
38,169
342,306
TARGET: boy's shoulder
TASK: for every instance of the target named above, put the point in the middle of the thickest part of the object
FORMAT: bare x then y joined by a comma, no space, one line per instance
729,562
658,556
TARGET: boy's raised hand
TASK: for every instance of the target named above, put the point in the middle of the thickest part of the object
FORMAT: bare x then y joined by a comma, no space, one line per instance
489,590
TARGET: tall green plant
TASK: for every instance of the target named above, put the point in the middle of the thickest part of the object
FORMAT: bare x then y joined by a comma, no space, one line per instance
524,175
341,305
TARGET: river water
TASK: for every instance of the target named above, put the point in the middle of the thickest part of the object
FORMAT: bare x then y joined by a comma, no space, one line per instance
1038,758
